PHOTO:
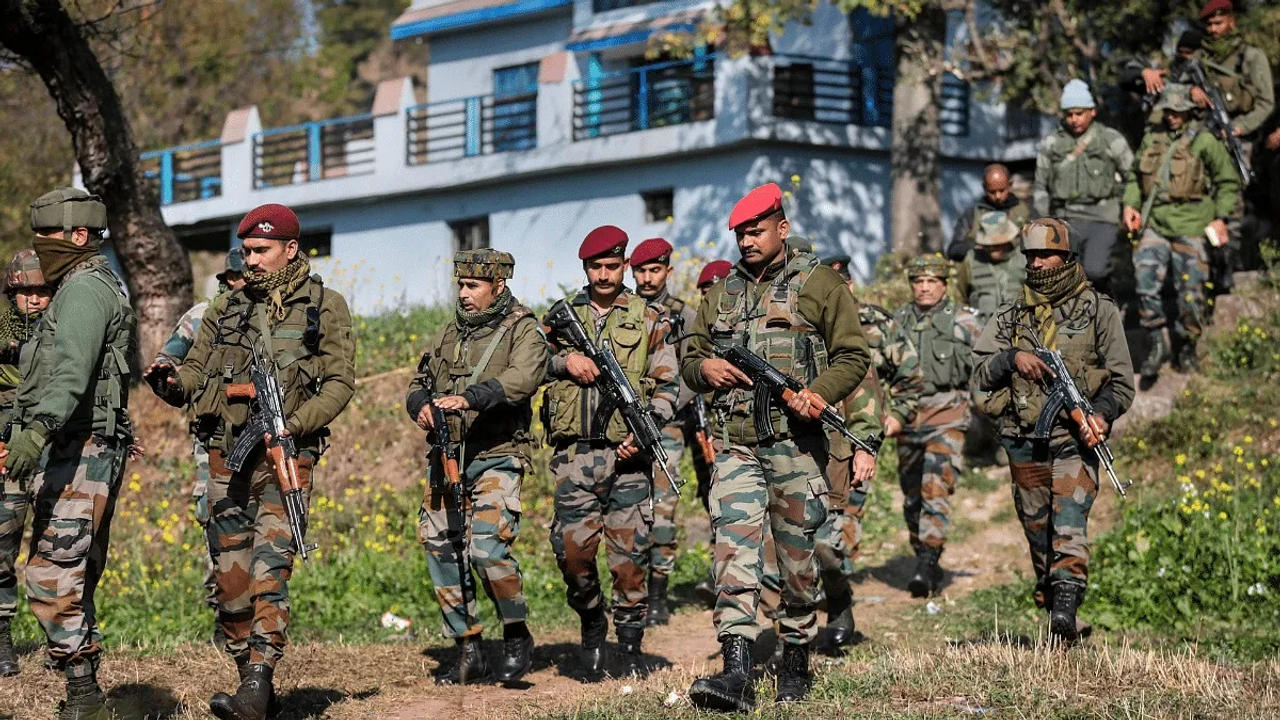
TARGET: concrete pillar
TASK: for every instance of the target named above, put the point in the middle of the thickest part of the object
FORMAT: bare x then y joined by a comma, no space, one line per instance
556,74
237,155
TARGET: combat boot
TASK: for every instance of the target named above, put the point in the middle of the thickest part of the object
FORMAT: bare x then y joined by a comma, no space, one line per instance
793,676
85,700
8,658
629,639
1062,619
242,667
840,627
252,699
731,689
593,656
470,668
659,614
1157,354
927,578
1187,361
517,652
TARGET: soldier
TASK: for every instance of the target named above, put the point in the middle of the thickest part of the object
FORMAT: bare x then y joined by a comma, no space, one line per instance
1081,173
930,448
603,483
28,297
1055,480
651,266
1242,72
711,273
173,352
1187,187
992,272
305,329
771,469
482,370
997,199
705,589
71,433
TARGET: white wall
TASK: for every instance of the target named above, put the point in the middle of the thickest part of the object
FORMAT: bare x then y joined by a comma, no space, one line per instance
462,63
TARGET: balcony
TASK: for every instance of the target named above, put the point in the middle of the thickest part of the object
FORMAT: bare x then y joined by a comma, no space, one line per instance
649,96
313,151
455,129
187,172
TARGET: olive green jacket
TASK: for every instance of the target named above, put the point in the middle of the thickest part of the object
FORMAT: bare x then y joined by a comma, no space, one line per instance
1219,182
1082,178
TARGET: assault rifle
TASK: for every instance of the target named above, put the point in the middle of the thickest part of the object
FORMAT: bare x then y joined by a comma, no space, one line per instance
266,425
615,388
443,449
1219,121
771,383
702,430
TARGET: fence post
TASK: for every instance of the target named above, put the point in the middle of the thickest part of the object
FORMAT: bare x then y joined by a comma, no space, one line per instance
472,139
166,177
315,152
642,100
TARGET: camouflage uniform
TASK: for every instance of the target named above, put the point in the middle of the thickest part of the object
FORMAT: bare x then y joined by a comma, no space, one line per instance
596,494
1055,480
306,329
965,234
72,412
495,359
1183,181
930,448
983,284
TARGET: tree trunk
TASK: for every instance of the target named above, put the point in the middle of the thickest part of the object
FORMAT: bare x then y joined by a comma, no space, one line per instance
157,270
915,214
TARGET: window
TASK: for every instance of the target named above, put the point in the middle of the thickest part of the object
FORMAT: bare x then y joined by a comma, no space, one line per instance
470,234
316,243
607,5
659,205
515,107
793,91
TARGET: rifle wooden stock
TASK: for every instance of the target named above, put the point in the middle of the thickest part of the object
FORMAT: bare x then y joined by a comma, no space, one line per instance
704,445
817,405
4,457
242,391
286,469
1090,433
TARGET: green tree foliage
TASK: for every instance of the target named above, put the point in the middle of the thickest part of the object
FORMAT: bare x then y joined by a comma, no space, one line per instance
355,51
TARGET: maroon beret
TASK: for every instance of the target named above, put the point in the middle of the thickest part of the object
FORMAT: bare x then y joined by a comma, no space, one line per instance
1215,6
714,270
764,200
604,241
651,250
272,221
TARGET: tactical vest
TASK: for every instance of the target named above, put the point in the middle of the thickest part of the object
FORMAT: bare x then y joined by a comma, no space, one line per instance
465,359
1237,93
1083,170
674,307
993,284
943,352
1187,181
293,342
104,409
774,329
572,412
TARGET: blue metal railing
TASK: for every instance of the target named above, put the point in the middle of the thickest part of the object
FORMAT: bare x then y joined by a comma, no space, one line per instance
481,125
185,172
649,96
312,151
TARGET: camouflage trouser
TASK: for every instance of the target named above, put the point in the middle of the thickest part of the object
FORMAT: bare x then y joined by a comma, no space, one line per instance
200,505
929,460
74,500
856,510
662,559
835,544
780,485
1053,490
13,518
1185,256
593,498
484,532
252,548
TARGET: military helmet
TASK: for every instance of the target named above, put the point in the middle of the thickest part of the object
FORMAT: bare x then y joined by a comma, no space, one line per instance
1047,234
485,264
235,264
1176,97
24,272
995,228
799,243
930,265
67,208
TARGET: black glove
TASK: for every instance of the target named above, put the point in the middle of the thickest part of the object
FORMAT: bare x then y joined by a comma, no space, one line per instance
158,378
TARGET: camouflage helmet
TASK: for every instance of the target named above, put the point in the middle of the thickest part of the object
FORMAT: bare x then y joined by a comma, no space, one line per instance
1047,234
235,264
24,272
996,228
484,264
929,265
67,208
1176,97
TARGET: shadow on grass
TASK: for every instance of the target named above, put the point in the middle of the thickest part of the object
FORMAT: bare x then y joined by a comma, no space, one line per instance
561,656
305,702
140,701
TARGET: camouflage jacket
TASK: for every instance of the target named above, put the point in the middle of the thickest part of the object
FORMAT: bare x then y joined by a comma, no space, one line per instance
175,349
944,336
680,316
895,360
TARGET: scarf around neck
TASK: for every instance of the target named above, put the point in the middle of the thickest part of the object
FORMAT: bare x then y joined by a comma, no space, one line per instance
1047,289
500,306
273,287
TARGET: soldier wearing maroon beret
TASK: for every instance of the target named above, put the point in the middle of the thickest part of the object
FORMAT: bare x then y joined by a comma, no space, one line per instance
713,271
651,268
304,329
602,480
787,307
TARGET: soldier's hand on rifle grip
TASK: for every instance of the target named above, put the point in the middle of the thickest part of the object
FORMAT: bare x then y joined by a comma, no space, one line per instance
425,419
1132,219
1153,78
581,368
806,403
722,374
452,403
1031,367
1200,97
1098,429
864,466
628,449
